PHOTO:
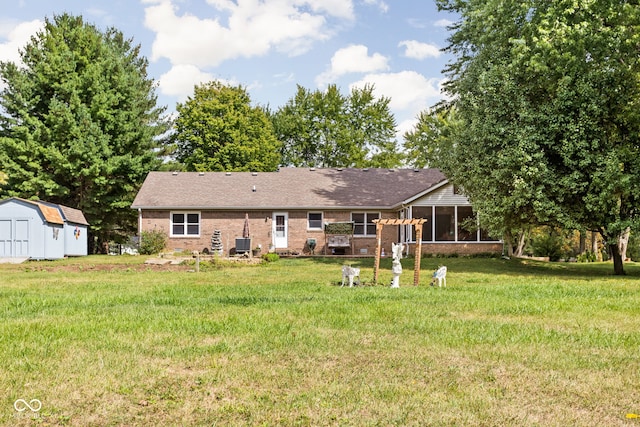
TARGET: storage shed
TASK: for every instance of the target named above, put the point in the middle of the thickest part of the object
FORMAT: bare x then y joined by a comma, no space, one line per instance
41,230
75,230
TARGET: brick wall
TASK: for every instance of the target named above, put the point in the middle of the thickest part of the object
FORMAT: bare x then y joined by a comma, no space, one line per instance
231,223
459,248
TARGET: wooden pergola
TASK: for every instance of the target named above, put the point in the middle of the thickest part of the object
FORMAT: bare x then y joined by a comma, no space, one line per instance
417,223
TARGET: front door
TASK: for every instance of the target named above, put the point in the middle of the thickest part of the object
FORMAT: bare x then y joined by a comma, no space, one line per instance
280,230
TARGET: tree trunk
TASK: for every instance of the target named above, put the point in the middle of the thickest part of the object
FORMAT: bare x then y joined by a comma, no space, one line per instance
522,240
594,246
618,265
508,239
583,242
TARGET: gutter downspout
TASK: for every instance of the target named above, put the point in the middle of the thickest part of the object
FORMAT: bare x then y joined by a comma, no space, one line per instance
139,227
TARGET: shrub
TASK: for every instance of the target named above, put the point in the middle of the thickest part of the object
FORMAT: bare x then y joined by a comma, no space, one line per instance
152,242
271,257
548,242
588,256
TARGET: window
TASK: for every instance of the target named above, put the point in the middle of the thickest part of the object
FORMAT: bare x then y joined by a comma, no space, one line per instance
445,223
314,221
185,224
425,212
363,223
450,224
467,224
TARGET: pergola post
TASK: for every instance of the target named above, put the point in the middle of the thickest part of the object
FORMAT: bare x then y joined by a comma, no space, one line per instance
417,255
376,265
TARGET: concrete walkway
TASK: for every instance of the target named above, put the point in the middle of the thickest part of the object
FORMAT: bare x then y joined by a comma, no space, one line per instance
17,260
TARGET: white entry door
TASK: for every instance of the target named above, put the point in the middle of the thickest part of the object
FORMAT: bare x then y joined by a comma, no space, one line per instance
280,230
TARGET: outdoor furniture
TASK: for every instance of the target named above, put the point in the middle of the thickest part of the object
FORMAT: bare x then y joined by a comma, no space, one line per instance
338,236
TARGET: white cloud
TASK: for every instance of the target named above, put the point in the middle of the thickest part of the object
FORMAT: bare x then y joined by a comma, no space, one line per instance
352,59
16,36
409,93
245,28
408,90
417,50
180,81
443,23
384,7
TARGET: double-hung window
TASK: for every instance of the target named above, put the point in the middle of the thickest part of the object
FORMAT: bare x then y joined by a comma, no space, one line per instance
314,221
363,223
185,224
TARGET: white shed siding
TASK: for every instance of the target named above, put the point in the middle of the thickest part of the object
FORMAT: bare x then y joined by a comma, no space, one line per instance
75,239
442,197
37,230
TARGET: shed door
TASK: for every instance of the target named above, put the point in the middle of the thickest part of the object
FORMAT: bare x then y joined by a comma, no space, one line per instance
6,238
14,237
22,238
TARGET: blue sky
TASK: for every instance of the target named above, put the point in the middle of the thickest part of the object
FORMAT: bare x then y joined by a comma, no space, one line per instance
268,46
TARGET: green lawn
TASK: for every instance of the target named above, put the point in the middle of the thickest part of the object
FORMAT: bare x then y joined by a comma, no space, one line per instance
507,343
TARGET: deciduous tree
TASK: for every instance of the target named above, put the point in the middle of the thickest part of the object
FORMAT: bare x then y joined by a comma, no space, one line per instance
328,129
219,130
548,95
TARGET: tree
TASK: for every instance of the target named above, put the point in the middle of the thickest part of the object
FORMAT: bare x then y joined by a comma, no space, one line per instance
79,124
428,144
548,96
218,130
327,129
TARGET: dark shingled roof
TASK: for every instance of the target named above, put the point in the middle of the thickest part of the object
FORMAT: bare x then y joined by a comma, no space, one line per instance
289,188
72,215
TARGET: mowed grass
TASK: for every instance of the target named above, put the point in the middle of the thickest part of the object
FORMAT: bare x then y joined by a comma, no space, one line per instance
507,343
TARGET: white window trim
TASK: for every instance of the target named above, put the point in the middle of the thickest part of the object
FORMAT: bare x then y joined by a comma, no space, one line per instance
185,213
319,228
365,223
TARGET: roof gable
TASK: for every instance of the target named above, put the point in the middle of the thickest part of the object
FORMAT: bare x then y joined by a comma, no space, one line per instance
70,215
288,188
49,213
53,213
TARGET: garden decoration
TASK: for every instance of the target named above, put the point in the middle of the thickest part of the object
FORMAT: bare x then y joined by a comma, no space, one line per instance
396,267
417,223
350,273
439,277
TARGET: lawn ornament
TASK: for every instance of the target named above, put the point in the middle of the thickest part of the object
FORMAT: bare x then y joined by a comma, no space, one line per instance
396,267
350,273
440,276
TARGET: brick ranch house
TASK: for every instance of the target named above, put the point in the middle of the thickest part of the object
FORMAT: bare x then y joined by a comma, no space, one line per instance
289,209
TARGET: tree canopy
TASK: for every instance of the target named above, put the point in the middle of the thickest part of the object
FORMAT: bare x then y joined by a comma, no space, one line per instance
79,124
428,143
328,129
548,96
219,130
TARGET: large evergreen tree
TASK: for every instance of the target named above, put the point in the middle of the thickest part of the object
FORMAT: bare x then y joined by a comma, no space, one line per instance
328,129
548,93
79,123
219,130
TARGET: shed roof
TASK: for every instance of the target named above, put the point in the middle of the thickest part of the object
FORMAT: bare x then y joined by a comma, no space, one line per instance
288,188
53,213
49,213
71,215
